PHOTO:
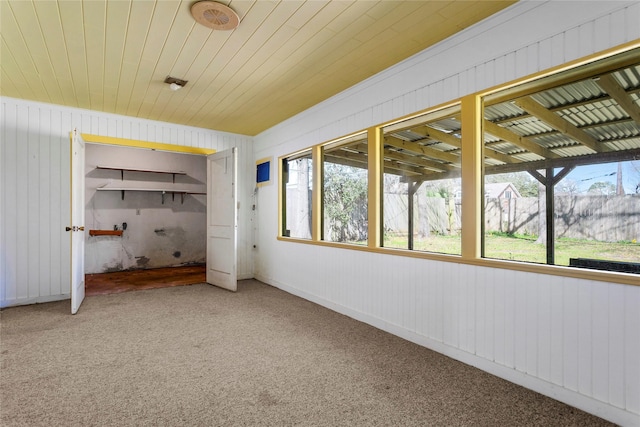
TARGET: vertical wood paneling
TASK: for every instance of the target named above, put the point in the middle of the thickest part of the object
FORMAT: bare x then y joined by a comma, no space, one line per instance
557,55
22,203
36,189
499,317
603,28
520,324
3,178
615,349
631,23
601,331
33,199
556,331
490,308
562,331
543,326
570,333
511,309
632,348
67,124
9,214
531,324
587,39
438,302
58,180
449,311
480,320
44,243
585,338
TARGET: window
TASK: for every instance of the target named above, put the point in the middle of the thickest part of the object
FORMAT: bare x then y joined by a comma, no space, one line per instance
421,185
568,149
557,159
345,187
297,177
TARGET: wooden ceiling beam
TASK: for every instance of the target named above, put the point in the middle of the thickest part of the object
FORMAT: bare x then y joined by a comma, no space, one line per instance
415,147
495,154
610,85
555,121
406,170
589,101
359,161
587,159
521,141
436,176
439,135
417,161
345,161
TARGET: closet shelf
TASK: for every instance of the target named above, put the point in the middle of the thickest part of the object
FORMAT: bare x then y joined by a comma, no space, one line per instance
122,169
164,191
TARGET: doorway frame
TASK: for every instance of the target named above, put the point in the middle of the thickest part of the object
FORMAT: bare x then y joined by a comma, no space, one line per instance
133,143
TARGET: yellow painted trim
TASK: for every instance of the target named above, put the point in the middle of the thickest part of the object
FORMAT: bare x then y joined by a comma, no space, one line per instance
261,161
626,47
344,139
317,212
281,185
431,110
472,176
553,270
109,140
374,192
472,179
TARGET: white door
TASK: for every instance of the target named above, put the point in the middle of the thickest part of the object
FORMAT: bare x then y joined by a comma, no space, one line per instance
222,222
77,221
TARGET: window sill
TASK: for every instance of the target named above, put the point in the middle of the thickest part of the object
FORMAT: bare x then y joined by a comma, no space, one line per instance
553,270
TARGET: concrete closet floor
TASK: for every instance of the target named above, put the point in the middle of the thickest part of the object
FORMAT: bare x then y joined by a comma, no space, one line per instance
135,280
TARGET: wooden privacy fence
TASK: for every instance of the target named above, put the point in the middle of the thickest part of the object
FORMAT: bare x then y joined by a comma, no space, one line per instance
603,218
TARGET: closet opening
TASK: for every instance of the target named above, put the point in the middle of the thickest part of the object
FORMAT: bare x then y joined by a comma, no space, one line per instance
145,216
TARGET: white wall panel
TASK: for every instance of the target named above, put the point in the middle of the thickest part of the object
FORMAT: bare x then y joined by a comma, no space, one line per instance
631,348
575,340
35,190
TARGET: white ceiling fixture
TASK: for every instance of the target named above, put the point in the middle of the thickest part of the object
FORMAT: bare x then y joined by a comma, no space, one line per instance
215,15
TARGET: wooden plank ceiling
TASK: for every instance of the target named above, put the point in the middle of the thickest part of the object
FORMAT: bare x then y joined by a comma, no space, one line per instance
284,57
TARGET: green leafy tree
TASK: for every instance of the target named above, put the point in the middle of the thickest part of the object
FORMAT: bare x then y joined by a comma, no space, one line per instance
345,202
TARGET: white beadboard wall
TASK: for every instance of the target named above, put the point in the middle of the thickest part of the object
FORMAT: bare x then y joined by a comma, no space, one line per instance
575,340
35,188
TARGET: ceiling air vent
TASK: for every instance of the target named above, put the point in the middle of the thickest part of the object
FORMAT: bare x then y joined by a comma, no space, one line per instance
215,15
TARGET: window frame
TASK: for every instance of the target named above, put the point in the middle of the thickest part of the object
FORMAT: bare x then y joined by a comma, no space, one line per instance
472,174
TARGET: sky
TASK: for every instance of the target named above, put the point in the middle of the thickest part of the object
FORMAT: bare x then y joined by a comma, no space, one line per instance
585,176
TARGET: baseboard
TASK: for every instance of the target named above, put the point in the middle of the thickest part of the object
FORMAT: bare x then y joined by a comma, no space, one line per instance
37,300
570,397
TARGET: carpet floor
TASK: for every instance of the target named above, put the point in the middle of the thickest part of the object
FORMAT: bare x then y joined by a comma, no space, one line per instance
201,356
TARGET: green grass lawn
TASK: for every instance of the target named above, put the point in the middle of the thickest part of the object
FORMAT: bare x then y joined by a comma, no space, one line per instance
525,248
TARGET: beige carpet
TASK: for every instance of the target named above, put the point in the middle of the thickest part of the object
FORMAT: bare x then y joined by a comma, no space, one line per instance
201,356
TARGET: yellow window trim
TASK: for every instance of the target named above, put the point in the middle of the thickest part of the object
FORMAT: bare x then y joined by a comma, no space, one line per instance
109,140
553,270
472,176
